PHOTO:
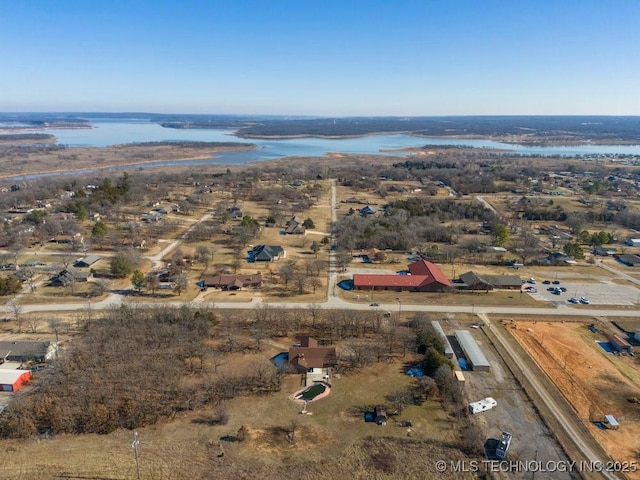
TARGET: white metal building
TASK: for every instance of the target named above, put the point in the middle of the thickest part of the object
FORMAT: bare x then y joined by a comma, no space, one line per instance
448,350
477,361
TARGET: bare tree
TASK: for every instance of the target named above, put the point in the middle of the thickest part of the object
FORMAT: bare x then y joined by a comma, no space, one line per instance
34,322
204,255
16,310
180,283
300,282
29,274
314,311
400,398
152,282
315,282
67,259
55,324
473,439
102,286
287,273
359,353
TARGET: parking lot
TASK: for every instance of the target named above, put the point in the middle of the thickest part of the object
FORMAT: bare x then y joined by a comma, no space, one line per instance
599,293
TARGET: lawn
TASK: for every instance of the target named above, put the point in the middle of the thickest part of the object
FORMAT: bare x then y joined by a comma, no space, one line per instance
494,298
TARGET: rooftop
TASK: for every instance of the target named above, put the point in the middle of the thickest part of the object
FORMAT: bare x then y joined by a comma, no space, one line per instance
471,348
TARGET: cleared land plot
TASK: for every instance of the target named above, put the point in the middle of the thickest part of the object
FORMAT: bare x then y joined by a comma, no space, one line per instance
595,383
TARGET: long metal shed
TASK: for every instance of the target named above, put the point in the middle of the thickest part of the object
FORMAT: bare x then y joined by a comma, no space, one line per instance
472,351
448,350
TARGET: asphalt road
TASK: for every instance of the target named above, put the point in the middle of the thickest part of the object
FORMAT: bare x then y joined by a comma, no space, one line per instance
334,302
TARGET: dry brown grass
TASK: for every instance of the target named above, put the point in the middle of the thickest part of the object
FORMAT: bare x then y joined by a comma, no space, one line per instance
80,158
333,442
499,298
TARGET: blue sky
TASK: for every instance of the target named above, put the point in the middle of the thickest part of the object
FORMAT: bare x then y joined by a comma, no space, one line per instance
325,57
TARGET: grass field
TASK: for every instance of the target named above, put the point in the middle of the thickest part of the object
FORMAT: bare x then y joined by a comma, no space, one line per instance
500,298
333,442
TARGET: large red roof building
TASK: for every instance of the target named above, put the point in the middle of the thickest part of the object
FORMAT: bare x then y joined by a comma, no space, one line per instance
424,277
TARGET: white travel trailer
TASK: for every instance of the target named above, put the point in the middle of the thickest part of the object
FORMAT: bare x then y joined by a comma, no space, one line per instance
482,405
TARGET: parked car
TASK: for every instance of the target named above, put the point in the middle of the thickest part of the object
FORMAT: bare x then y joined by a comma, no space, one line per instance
556,282
562,289
584,300
557,291
546,282
573,300
531,280
374,304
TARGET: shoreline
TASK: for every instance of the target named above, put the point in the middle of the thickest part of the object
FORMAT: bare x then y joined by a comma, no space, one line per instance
526,140
91,168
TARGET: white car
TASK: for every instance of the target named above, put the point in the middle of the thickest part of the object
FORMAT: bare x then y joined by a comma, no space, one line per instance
584,301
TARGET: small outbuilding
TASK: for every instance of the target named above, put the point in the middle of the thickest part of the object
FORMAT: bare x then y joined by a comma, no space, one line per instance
88,261
13,380
380,415
448,350
619,344
611,422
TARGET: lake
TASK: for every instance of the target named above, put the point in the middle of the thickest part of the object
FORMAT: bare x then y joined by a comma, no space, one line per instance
117,131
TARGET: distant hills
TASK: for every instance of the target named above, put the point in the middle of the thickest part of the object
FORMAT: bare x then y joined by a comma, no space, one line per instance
568,129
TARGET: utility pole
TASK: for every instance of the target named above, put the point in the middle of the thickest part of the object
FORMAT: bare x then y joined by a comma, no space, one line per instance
135,444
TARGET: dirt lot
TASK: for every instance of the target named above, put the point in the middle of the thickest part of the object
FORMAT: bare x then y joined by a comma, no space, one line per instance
515,413
594,382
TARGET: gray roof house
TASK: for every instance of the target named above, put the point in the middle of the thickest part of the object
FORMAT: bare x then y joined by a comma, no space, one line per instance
294,227
69,275
23,351
266,253
88,261
475,281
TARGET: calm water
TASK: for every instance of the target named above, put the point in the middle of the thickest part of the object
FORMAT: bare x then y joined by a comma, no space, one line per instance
113,132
